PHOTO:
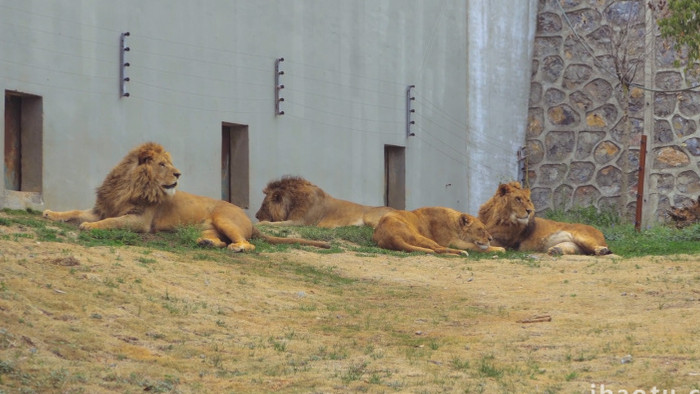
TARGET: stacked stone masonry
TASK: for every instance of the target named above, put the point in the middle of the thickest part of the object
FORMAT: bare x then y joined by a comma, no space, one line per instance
584,129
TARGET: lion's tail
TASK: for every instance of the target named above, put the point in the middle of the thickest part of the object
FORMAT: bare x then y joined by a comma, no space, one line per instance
282,240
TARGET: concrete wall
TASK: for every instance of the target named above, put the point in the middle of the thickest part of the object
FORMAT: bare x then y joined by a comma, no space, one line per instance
500,53
195,65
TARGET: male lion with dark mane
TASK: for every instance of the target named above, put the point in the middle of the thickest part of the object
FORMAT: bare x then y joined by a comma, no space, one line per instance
294,201
433,230
510,218
139,195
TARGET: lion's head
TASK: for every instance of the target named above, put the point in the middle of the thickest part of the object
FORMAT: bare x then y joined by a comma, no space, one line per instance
511,205
288,198
144,177
471,229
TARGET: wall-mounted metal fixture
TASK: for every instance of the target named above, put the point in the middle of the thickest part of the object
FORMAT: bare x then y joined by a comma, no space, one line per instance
278,86
410,98
123,64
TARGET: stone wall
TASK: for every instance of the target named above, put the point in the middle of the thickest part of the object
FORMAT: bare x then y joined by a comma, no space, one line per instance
585,126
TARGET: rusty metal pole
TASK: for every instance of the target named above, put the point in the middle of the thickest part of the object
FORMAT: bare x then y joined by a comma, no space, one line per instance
640,183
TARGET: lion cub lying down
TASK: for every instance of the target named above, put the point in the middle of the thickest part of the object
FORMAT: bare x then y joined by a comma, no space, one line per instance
139,195
433,230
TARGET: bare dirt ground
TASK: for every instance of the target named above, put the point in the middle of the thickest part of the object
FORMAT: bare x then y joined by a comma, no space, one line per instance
132,319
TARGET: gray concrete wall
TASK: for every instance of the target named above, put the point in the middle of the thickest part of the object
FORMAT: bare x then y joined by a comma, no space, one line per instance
195,65
500,53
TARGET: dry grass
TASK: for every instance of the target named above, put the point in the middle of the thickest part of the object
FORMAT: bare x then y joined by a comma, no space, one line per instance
132,319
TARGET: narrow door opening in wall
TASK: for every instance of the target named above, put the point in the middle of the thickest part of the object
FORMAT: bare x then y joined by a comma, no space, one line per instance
235,178
395,176
23,156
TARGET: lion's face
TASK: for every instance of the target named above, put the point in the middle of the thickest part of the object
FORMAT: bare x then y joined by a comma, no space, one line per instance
473,230
156,166
274,207
154,177
515,203
288,198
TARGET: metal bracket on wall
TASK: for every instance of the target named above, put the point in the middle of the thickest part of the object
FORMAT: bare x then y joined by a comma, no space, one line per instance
278,86
410,98
123,64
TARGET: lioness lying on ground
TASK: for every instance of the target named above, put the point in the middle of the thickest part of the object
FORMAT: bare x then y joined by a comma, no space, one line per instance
139,195
433,230
510,218
294,201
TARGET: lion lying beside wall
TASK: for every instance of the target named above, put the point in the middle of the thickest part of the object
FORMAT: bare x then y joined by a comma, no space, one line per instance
139,195
510,218
294,201
433,230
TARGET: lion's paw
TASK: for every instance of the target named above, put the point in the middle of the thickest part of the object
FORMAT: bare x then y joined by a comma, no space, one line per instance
87,226
210,242
241,247
602,250
205,242
498,249
48,214
464,253
555,251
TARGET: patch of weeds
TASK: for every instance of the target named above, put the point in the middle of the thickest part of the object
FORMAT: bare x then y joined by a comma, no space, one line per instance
262,246
47,234
571,376
182,239
434,345
308,307
338,353
552,389
17,236
657,241
203,257
168,383
6,367
487,368
459,364
116,237
323,276
354,372
146,260
600,218
110,283
360,235
58,377
279,346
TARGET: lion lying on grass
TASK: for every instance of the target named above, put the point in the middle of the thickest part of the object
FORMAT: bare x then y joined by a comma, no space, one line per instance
433,230
139,195
294,201
510,218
